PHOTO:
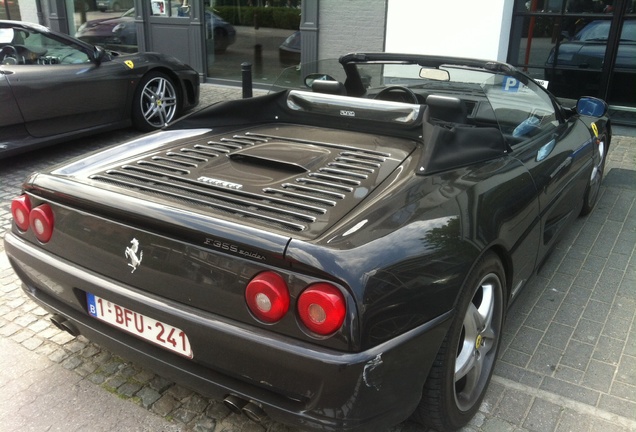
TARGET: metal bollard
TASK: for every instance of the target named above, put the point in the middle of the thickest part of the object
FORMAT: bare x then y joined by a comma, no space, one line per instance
246,74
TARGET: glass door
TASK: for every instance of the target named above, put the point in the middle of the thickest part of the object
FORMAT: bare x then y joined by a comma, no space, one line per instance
578,48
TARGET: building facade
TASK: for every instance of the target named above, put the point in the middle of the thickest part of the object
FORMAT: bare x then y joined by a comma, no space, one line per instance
578,47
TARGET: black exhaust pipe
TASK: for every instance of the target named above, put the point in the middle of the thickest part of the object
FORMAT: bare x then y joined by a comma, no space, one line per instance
251,409
64,325
254,412
234,404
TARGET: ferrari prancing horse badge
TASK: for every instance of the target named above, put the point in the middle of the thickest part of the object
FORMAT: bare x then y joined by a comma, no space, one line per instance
131,254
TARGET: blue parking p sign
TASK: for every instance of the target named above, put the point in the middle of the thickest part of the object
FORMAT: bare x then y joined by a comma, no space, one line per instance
511,84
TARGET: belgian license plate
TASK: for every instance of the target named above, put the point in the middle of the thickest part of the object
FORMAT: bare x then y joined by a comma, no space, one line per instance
142,326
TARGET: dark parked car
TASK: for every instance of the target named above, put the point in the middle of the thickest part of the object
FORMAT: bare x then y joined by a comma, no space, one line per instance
575,67
114,5
121,32
289,50
338,257
106,32
54,87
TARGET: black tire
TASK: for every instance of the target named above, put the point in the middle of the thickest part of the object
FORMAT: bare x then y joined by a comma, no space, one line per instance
593,189
156,102
452,397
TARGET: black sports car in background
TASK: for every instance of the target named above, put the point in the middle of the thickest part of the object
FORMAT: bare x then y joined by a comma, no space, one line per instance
120,33
114,5
339,257
289,50
574,66
54,88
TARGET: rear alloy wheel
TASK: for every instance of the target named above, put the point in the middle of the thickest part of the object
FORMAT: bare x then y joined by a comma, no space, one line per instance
594,186
461,372
156,102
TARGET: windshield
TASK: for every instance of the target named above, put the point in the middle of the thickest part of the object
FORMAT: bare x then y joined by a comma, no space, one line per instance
6,35
378,76
501,97
599,31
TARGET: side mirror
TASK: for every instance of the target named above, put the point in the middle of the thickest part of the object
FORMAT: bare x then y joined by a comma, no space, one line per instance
98,55
591,106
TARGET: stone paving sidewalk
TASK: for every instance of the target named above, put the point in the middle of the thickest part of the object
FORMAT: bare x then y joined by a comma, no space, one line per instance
567,363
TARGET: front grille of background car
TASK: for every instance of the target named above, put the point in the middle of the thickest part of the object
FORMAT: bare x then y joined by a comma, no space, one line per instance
290,206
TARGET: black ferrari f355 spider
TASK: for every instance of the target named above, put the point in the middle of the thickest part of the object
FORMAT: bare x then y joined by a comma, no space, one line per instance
338,257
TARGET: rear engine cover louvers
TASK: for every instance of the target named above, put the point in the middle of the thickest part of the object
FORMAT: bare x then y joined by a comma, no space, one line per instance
296,185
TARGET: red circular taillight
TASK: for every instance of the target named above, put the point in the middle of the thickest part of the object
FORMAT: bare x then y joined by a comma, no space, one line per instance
20,210
322,308
267,297
41,222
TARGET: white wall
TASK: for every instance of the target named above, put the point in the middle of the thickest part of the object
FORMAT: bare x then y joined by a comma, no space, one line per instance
28,11
350,25
457,28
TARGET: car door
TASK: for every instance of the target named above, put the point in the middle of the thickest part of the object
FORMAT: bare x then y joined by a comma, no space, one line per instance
556,152
61,87
11,122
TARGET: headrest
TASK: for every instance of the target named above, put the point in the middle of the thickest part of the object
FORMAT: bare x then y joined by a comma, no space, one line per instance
447,108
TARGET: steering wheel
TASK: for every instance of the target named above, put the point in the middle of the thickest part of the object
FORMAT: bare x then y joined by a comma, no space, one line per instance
8,57
397,94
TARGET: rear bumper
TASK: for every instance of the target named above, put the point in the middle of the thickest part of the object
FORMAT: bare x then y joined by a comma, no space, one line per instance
294,382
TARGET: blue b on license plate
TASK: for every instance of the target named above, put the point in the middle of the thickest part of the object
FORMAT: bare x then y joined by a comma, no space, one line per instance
142,326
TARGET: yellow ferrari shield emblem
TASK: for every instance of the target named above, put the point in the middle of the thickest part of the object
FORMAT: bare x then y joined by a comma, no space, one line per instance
595,129
479,342
130,64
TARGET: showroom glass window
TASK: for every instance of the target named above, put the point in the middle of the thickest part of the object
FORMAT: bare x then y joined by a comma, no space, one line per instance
10,10
264,33
568,44
170,8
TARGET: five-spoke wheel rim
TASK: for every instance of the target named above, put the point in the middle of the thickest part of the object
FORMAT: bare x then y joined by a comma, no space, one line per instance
477,347
158,102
